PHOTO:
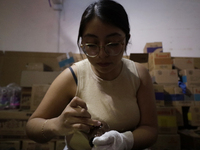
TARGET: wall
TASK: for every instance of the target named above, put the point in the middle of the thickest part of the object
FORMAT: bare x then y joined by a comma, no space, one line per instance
34,26
27,25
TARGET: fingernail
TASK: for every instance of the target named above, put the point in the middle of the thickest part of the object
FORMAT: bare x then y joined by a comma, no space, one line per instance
99,123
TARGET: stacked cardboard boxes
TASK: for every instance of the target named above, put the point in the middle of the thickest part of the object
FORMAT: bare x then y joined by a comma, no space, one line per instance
176,86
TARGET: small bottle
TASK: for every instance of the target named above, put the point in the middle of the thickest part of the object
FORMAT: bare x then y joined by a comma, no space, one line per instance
97,131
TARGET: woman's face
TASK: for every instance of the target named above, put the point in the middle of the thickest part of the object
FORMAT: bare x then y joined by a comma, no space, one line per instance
100,33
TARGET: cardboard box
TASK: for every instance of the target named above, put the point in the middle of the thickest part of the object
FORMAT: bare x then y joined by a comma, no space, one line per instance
194,115
189,95
78,57
196,91
165,77
159,94
1,64
179,115
183,63
25,101
37,94
160,61
196,63
15,62
191,77
141,58
190,139
10,145
154,47
28,78
38,67
174,97
31,145
167,121
13,122
167,142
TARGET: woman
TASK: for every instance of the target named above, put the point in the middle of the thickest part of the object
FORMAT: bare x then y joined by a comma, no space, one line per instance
109,89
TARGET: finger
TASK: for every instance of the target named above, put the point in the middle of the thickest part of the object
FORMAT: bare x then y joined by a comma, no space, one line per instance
103,140
86,121
81,127
77,102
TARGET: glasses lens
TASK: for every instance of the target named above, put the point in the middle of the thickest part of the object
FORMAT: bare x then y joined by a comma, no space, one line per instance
113,48
91,49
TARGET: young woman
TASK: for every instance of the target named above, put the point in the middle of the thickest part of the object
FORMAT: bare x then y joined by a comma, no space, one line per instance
105,87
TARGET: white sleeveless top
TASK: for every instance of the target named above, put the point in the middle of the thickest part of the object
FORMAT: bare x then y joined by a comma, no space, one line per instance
113,102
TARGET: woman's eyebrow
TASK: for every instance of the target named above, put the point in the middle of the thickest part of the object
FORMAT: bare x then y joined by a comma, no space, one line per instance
113,34
107,36
90,35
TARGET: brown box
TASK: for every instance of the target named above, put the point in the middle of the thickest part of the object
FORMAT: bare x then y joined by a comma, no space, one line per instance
167,142
10,145
160,61
1,64
28,78
197,63
37,67
183,63
141,58
37,94
31,145
175,97
78,57
25,101
165,77
196,91
153,47
191,77
167,121
179,115
190,139
194,115
159,94
15,62
13,123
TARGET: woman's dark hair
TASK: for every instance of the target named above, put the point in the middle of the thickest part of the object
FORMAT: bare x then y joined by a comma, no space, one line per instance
108,11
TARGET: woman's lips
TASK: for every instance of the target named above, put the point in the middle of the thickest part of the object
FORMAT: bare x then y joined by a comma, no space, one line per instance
103,64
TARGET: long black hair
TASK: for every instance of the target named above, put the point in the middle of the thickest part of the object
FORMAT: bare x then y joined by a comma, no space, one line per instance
108,11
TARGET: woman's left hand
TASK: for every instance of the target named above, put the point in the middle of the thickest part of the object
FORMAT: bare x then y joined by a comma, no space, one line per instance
114,140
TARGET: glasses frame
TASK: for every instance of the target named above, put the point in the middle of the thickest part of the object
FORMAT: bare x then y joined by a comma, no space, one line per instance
102,46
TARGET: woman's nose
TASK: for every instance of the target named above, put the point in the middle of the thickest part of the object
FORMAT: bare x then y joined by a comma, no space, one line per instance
102,52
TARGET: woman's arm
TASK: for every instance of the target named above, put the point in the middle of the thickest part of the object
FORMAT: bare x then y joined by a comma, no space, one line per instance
59,113
146,133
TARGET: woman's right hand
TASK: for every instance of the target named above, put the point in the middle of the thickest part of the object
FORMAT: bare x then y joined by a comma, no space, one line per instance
75,117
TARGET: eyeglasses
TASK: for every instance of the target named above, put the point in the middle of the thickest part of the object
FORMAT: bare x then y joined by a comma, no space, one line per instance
111,49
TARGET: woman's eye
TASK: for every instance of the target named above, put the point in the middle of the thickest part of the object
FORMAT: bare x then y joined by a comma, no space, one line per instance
91,45
113,44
